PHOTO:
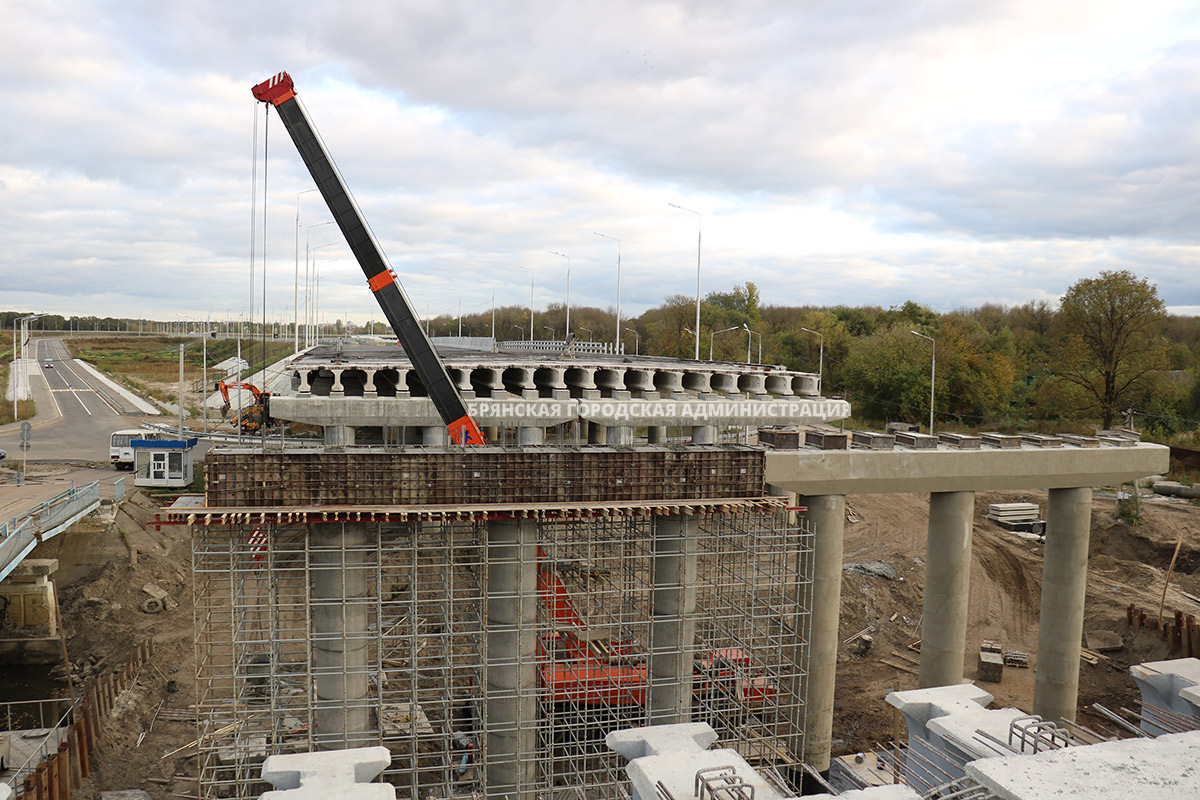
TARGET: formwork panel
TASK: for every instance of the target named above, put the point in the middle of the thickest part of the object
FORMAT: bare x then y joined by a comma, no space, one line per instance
427,635
376,477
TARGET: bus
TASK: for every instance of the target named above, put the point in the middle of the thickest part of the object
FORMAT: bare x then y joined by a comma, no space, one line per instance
119,451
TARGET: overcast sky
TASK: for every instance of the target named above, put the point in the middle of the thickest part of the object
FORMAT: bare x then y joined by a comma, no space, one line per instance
842,152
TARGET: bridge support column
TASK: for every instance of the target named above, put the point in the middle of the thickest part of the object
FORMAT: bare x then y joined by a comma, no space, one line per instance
341,637
674,556
826,516
1064,586
704,434
510,700
947,588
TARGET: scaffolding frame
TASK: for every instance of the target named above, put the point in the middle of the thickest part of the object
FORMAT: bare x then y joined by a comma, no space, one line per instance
420,622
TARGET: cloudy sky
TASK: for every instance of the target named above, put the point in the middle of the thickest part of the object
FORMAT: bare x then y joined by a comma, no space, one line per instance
841,151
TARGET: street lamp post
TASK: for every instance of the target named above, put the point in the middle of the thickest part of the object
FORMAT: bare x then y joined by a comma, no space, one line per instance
932,374
547,327
749,337
637,341
698,220
531,277
820,359
296,284
307,283
712,335
617,341
589,333
567,332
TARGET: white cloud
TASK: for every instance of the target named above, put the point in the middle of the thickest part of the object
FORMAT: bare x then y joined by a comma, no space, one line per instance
861,152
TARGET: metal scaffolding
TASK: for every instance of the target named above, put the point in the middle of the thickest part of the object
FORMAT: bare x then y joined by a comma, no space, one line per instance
492,655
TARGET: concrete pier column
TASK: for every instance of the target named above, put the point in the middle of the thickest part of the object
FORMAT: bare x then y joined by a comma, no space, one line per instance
656,434
338,389
673,623
1064,584
704,434
341,637
369,388
597,433
826,516
510,699
947,588
531,435
492,433
620,435
339,435
434,435
305,381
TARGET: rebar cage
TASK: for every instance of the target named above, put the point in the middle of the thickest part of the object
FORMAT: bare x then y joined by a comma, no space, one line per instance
311,636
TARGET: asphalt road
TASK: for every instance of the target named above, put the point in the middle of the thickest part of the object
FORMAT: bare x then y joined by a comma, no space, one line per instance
89,415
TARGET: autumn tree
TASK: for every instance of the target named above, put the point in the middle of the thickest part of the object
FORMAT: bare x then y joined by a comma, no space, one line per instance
1110,339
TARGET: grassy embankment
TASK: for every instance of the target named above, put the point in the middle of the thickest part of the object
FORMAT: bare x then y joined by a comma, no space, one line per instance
149,365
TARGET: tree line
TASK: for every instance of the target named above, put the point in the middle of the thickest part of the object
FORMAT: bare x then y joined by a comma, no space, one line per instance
1108,349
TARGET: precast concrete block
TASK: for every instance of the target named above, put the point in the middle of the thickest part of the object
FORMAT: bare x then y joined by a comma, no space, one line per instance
344,774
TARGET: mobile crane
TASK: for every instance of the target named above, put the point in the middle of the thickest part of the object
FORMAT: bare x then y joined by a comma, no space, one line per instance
280,92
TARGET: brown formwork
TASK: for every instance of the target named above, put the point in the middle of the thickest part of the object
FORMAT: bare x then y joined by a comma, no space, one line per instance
376,477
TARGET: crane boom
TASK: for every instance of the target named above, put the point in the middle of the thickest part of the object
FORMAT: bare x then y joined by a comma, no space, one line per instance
280,92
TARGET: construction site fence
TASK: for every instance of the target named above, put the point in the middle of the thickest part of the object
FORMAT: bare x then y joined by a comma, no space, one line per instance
1180,631
63,759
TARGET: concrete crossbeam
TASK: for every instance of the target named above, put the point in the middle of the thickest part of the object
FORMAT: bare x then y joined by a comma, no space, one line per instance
901,471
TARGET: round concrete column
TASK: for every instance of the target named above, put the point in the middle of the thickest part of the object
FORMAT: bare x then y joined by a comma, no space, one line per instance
673,624
621,435
947,588
704,434
656,434
530,435
510,698
434,435
1064,585
341,638
597,433
826,517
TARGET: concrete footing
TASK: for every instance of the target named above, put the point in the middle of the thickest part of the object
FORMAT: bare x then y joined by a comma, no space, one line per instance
673,624
510,700
340,606
947,588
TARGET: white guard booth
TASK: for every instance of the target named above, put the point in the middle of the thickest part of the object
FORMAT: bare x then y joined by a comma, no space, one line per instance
166,462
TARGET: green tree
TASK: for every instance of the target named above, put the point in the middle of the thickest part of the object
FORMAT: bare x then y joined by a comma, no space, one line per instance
1111,339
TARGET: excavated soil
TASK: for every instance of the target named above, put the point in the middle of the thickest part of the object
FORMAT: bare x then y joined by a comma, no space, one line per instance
101,584
1126,565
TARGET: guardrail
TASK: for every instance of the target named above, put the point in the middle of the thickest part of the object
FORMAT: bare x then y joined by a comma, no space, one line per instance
551,346
21,534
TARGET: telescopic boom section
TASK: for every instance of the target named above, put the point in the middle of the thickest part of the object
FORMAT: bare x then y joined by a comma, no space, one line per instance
281,93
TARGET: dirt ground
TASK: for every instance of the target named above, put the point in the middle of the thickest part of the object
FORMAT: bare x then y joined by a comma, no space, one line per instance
1126,565
101,592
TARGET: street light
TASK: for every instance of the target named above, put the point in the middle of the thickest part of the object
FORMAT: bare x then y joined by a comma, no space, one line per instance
296,285
531,276
547,327
697,213
618,241
637,342
567,332
307,280
589,333
820,359
712,335
932,375
749,336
